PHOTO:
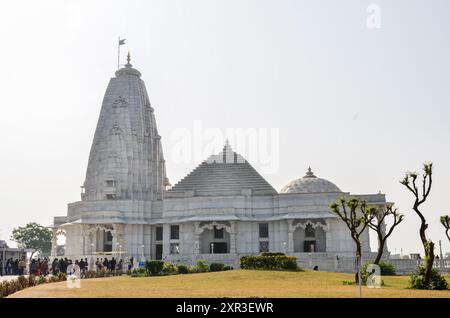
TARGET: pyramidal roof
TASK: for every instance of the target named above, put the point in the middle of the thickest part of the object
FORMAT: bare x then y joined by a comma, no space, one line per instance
226,173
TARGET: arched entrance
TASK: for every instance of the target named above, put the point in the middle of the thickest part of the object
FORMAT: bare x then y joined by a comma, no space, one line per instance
215,237
309,237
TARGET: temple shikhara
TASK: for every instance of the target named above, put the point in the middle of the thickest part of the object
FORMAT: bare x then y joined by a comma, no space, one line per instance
220,211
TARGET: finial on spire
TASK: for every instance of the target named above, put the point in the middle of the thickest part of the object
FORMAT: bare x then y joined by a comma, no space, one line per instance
128,59
310,174
227,145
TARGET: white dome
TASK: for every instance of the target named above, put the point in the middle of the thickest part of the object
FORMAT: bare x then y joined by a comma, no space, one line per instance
310,184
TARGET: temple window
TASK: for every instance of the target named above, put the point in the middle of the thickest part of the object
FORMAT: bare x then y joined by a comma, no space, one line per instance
263,246
111,183
159,233
174,248
107,243
174,232
263,230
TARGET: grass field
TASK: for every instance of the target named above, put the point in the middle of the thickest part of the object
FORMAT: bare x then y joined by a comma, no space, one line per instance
236,283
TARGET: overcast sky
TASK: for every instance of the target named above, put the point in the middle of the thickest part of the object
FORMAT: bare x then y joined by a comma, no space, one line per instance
357,104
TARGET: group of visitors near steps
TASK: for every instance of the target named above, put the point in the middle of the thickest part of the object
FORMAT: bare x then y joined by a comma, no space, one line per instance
44,267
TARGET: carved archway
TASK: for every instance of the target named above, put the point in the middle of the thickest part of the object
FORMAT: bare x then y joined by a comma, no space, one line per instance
207,242
302,242
293,225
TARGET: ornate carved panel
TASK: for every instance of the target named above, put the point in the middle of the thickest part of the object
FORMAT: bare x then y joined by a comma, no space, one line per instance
295,224
120,101
116,130
202,226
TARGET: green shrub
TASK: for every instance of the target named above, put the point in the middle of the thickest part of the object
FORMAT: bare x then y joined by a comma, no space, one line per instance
139,272
169,269
3,289
14,286
32,280
41,280
272,254
90,274
192,269
202,266
437,281
276,262
348,282
61,277
8,288
101,273
216,267
154,267
23,282
182,269
386,268
53,279
227,268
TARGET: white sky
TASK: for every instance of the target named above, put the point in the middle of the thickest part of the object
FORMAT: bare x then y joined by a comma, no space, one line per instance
361,106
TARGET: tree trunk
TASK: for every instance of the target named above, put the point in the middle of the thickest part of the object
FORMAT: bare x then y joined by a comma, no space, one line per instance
429,264
429,253
358,262
380,251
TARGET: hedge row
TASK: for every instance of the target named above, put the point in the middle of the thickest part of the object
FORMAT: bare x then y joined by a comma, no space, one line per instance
268,261
161,268
10,287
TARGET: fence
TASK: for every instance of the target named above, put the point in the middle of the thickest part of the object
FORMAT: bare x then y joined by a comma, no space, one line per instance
333,263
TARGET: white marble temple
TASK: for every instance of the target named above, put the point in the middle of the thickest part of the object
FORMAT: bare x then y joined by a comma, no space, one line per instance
223,209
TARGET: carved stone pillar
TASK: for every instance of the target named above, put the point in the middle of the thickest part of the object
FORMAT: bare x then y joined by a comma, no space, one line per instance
85,233
233,238
328,240
88,244
54,251
291,230
196,244
197,232
118,239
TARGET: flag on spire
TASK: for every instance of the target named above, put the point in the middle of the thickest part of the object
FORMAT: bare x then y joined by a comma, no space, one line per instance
121,42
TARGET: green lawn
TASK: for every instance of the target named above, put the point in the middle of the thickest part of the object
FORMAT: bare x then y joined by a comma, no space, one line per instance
236,283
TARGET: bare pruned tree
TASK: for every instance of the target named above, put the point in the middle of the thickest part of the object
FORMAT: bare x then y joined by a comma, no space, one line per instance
445,221
357,216
378,225
420,196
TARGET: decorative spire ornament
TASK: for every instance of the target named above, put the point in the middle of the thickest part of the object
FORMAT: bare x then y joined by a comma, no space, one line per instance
128,60
310,174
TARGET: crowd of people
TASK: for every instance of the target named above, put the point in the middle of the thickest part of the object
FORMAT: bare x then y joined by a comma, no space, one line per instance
44,267
13,266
